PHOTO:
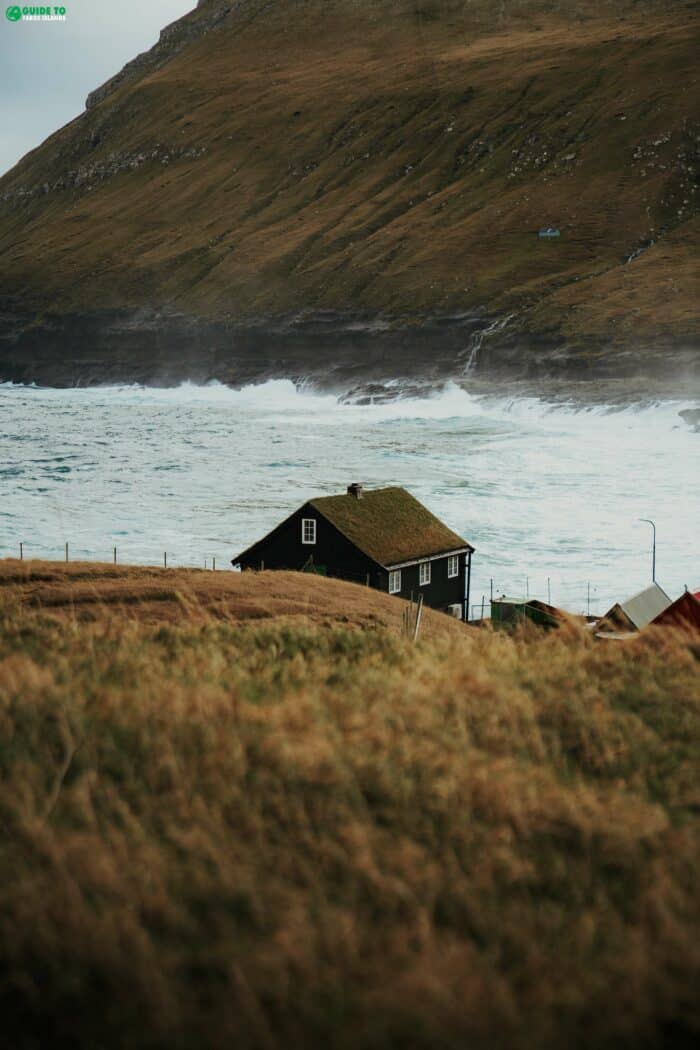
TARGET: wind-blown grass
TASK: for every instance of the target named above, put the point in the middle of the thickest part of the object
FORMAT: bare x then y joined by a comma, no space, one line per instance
304,835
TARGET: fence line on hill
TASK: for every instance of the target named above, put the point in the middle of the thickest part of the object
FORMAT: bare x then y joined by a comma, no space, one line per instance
584,595
581,593
209,561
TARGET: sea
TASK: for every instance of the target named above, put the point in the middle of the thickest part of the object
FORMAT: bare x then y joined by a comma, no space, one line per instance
550,493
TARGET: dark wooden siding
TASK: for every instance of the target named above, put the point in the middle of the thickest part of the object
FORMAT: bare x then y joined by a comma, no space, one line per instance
283,549
335,555
441,591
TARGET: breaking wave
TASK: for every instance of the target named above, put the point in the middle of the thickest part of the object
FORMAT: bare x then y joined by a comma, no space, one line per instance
450,401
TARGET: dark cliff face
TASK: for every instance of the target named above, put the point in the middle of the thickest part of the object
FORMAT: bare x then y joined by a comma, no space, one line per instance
357,357
357,187
164,348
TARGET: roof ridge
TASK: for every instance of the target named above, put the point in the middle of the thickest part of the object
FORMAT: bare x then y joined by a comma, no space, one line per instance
650,587
366,492
389,525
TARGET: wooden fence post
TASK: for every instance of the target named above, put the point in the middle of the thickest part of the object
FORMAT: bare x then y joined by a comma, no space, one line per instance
66,552
165,559
21,552
419,610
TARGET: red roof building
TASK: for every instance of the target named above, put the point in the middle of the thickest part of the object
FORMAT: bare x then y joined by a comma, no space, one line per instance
684,612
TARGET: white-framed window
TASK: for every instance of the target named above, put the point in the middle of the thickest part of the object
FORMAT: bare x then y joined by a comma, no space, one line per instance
308,530
423,573
395,581
453,566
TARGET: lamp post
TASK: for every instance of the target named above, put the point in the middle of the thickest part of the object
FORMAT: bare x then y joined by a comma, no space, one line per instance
653,549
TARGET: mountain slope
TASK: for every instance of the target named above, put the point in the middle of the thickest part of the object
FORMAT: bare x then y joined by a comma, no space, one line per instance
381,169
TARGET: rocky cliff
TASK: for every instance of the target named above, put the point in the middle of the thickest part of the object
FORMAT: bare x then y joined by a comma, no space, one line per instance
355,188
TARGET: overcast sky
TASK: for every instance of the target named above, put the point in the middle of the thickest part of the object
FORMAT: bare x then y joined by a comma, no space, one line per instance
48,68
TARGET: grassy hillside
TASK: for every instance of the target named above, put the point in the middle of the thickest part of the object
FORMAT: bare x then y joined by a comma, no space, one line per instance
394,158
297,833
86,591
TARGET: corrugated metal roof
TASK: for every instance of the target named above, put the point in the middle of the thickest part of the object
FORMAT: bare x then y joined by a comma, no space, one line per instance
390,525
642,608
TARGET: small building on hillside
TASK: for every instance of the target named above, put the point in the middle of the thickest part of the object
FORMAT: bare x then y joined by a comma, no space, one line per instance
384,538
637,611
684,612
548,232
512,611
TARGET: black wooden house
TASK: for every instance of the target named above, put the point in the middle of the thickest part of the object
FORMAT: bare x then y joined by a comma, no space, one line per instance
383,538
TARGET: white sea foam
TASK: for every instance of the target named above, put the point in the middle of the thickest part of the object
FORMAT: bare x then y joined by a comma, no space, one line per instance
451,401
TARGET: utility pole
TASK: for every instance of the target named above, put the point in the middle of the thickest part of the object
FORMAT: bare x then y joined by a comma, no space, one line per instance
653,549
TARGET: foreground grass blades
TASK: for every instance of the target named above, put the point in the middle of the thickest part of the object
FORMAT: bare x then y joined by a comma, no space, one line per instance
291,834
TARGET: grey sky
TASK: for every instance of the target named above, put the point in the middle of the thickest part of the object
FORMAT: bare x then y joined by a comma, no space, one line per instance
48,68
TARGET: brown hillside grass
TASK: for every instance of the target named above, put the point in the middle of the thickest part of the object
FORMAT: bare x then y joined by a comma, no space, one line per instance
286,833
89,591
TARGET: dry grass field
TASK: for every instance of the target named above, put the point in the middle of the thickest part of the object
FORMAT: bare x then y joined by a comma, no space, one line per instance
244,811
86,591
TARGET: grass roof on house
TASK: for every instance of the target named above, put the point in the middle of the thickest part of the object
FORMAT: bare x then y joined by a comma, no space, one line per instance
390,525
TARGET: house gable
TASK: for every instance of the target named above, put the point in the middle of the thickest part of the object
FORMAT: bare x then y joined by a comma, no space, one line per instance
285,548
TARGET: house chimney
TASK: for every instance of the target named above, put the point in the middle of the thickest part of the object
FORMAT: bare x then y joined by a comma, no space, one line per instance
355,490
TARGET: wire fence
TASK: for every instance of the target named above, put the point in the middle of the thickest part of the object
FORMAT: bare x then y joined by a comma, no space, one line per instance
580,596
165,559
113,555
